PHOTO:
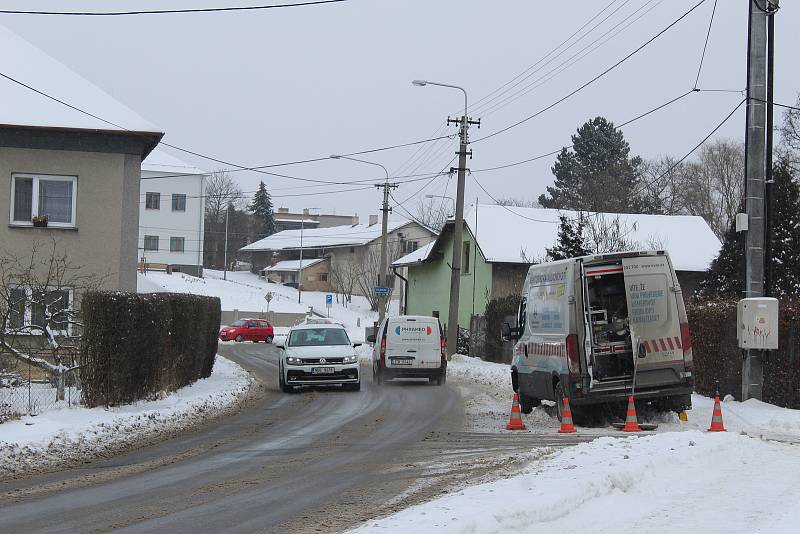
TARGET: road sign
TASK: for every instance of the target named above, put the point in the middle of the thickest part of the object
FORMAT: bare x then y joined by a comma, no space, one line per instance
268,296
381,290
328,300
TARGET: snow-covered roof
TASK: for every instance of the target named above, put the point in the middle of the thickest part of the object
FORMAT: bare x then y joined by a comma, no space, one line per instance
22,106
334,236
516,235
292,265
159,162
418,256
304,221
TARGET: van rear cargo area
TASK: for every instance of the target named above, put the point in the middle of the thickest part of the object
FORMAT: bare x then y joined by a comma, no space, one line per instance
611,356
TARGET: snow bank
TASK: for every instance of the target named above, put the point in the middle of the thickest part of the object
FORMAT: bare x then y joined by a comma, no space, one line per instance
669,483
64,436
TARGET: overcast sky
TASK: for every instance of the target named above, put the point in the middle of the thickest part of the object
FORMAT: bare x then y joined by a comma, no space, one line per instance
262,87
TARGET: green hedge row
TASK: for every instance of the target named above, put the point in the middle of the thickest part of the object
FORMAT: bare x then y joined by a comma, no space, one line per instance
137,346
718,359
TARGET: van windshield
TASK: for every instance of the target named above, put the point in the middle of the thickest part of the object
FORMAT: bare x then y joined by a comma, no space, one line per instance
314,337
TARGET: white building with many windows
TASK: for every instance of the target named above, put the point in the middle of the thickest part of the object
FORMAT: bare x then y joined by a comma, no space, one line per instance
171,214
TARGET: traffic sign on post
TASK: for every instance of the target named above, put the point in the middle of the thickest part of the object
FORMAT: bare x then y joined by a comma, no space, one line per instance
381,290
328,300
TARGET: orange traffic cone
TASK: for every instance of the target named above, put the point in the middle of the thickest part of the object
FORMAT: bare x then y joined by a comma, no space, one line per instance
566,419
515,423
716,417
631,424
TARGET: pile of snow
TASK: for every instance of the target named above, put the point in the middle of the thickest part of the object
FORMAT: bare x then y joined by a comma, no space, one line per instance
61,437
668,483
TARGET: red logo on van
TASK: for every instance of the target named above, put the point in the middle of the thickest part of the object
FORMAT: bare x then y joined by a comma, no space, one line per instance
429,330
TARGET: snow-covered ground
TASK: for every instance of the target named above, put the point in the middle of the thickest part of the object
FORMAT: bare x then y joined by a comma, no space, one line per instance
60,437
245,291
677,479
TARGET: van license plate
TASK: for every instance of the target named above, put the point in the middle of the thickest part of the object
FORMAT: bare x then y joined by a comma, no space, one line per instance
322,370
402,361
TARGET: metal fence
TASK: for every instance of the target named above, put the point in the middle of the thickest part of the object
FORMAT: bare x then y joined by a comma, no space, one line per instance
27,390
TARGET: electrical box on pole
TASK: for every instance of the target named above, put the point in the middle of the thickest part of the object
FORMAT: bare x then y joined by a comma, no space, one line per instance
757,323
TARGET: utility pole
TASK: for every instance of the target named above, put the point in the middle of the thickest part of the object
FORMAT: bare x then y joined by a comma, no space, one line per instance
458,230
384,267
756,160
225,266
300,278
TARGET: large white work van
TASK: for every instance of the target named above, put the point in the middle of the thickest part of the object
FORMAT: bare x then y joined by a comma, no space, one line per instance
586,326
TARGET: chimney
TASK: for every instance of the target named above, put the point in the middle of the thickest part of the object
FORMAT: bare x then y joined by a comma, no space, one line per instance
305,211
373,219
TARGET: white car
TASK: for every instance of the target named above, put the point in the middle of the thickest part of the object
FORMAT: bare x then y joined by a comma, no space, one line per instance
318,354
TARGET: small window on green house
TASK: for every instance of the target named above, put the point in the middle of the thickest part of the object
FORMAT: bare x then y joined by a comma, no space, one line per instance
467,256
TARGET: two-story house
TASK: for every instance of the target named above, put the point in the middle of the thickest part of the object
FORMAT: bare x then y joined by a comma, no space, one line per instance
70,164
171,214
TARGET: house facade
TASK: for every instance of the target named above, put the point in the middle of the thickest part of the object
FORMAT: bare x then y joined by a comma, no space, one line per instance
171,205
500,243
351,252
68,179
315,273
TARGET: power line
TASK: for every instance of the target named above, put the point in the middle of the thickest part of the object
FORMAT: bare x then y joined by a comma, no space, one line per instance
169,11
590,82
775,104
708,34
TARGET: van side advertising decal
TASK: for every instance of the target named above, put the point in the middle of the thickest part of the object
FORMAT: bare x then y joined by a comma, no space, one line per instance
427,330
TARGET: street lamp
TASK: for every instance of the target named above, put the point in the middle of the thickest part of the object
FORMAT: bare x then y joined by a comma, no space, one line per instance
384,266
302,227
458,231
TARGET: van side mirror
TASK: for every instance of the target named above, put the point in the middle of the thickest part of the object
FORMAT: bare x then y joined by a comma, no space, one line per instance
507,333
371,338
640,350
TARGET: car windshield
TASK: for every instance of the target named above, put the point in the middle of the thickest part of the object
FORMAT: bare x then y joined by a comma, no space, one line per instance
313,337
240,322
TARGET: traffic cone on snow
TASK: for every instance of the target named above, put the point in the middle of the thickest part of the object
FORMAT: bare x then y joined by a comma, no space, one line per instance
515,423
566,419
631,424
716,417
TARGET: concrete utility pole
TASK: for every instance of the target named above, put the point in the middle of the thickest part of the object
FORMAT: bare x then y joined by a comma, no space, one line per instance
458,230
383,270
756,161
225,260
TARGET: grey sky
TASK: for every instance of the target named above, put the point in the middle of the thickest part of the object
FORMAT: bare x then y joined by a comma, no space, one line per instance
278,85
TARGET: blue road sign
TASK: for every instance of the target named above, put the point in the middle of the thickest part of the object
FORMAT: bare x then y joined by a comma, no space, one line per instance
381,290
328,300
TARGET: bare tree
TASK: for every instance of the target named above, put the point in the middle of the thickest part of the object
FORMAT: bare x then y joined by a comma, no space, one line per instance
39,321
370,261
221,192
608,234
790,134
344,276
664,186
517,202
432,212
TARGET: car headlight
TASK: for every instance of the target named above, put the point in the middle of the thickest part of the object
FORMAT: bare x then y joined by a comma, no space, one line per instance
291,360
350,359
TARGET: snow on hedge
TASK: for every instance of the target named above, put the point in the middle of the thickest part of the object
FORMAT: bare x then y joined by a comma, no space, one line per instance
61,437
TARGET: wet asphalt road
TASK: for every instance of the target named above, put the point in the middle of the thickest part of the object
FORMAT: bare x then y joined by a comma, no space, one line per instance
300,461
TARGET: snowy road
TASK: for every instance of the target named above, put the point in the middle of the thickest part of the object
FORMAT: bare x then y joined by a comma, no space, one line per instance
315,461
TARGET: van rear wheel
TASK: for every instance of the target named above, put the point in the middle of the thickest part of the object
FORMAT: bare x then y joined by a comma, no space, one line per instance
527,404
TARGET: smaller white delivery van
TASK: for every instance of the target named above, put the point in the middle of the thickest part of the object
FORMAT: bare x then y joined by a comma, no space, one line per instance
409,346
594,328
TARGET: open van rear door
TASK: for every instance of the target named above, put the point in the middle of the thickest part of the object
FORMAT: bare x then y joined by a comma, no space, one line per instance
653,309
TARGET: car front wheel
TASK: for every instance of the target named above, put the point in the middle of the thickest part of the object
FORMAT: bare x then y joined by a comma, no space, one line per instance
239,338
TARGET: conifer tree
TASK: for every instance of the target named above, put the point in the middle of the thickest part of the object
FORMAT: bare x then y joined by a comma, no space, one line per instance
261,207
570,241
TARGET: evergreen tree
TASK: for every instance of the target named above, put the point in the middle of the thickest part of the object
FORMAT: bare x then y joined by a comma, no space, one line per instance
596,174
261,206
570,242
726,277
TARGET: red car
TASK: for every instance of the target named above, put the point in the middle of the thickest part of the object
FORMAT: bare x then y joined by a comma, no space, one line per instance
248,330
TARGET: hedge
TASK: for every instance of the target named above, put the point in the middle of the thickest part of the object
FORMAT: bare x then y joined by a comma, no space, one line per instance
718,359
137,346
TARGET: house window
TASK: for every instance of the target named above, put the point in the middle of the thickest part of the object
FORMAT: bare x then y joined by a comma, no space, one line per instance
152,201
176,244
53,196
151,242
411,246
30,308
465,262
323,277
178,202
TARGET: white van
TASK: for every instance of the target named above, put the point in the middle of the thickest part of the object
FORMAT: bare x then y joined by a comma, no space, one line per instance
586,326
409,346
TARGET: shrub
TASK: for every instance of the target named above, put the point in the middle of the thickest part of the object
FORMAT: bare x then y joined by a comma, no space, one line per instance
718,359
137,346
497,311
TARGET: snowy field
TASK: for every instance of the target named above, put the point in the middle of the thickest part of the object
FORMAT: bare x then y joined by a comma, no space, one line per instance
675,480
245,291
63,436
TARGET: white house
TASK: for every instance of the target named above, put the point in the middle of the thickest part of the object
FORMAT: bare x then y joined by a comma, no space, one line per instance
171,213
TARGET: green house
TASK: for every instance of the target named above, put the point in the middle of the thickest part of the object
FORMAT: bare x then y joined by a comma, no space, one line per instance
500,243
